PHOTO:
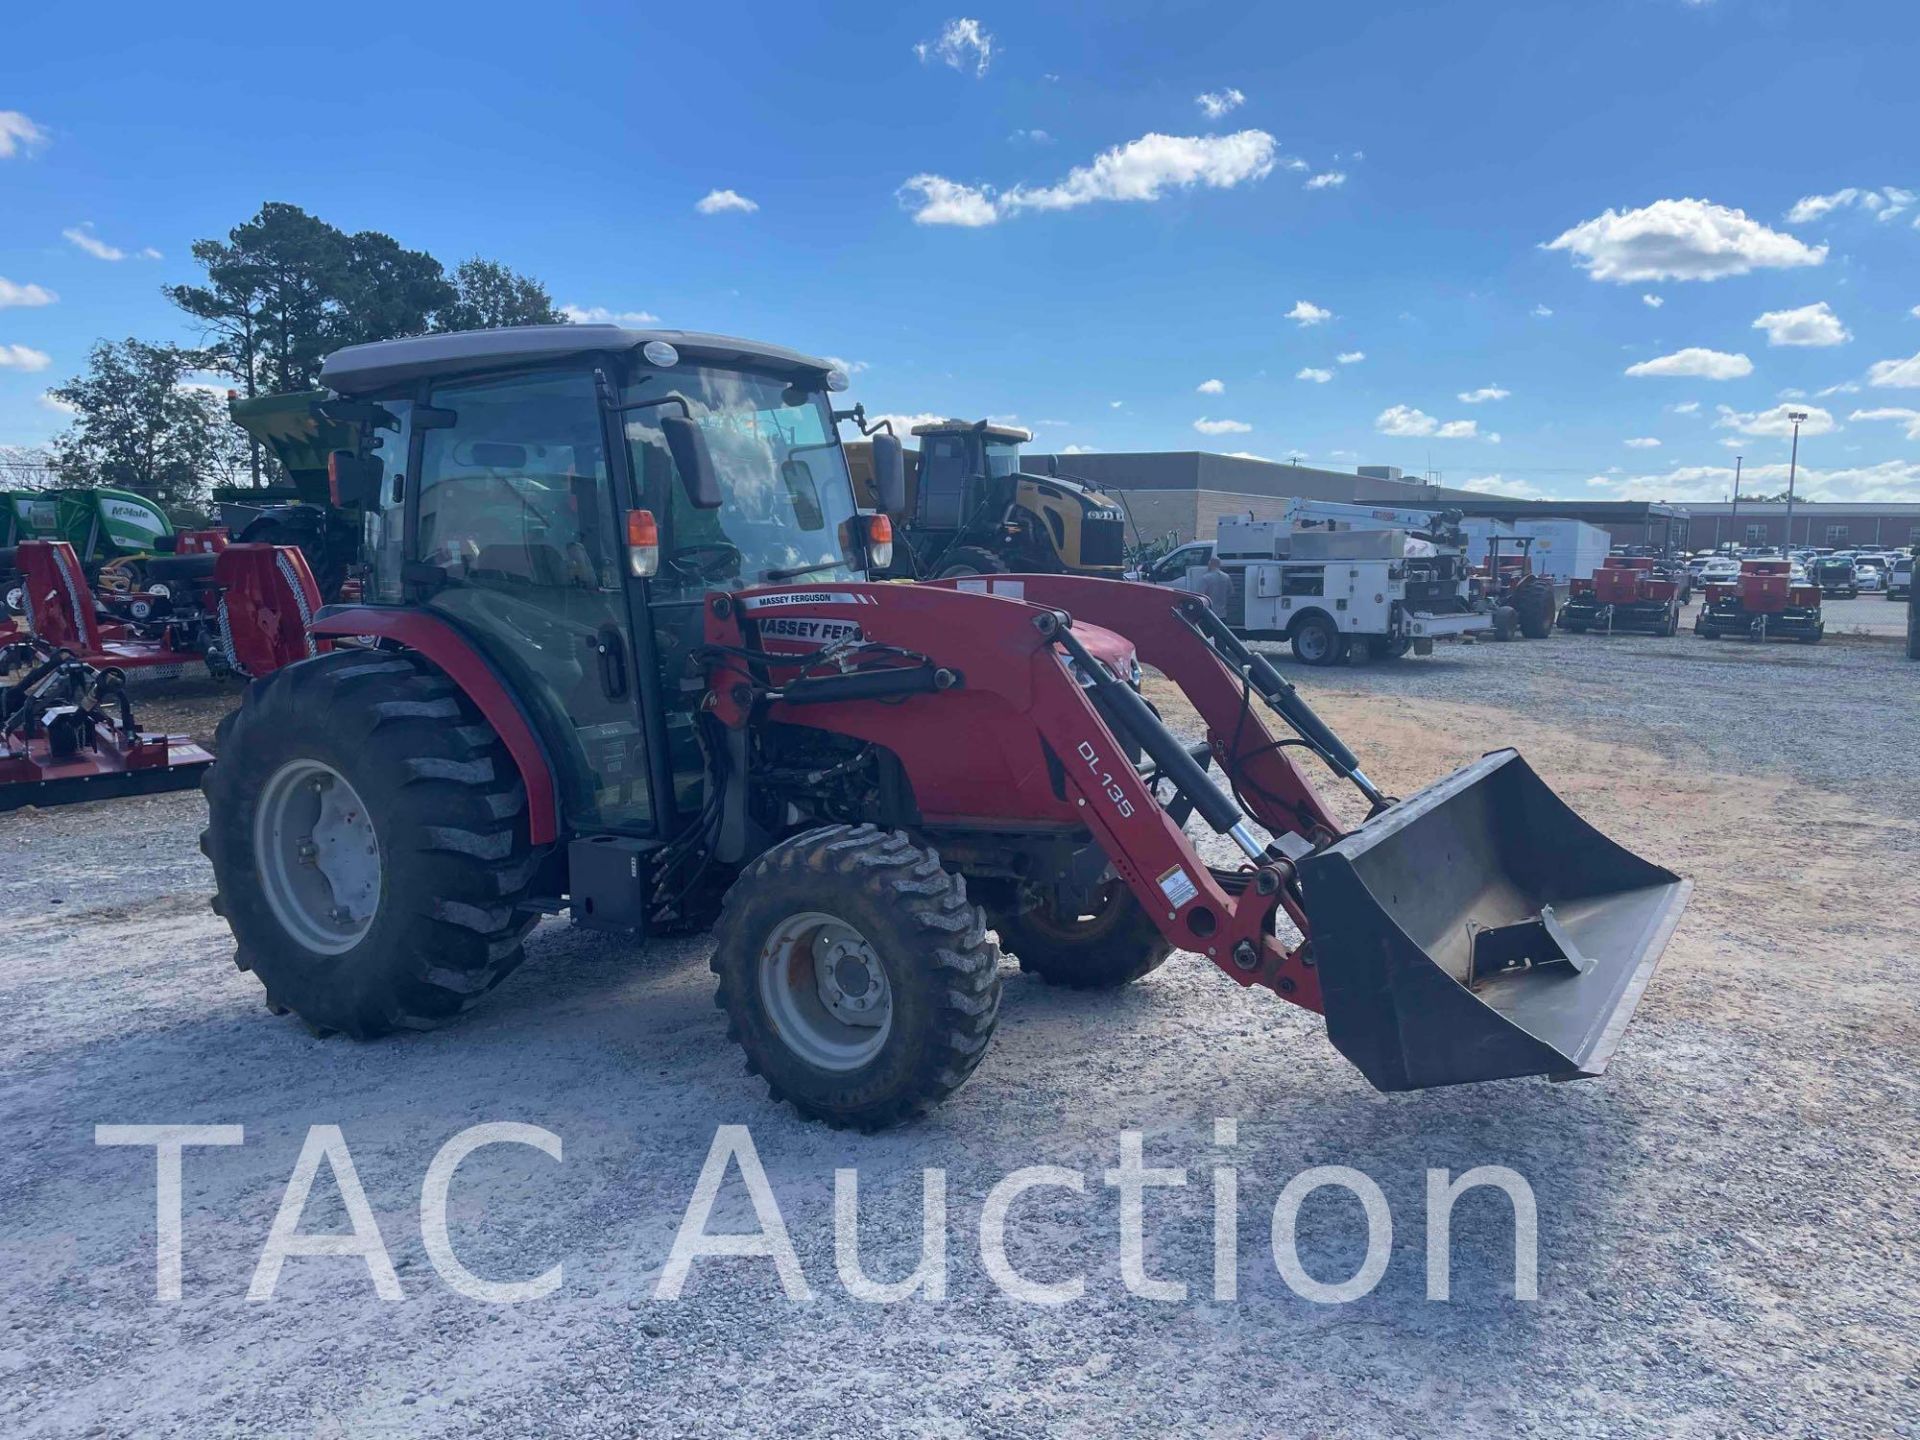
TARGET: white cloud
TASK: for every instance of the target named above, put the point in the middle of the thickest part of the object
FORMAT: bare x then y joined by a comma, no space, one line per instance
19,135
1407,423
1883,204
82,235
718,202
1653,302
1031,137
1643,442
1696,362
1845,387
1211,387
1814,324
903,424
1483,394
1889,480
1351,357
1685,407
1308,313
1079,449
1328,180
1143,169
1915,312
51,401
25,295
848,367
601,315
1680,240
961,44
1774,423
1908,418
1318,377
946,202
1895,374
1541,312
1221,427
1216,103
22,357
1498,484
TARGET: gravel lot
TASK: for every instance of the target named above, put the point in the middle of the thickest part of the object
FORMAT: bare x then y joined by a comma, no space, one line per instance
1726,1218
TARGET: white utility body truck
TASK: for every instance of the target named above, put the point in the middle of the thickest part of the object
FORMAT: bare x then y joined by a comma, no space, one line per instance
1326,576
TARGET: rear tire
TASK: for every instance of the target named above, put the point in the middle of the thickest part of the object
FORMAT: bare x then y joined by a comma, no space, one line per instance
1506,622
897,922
431,844
1386,647
1315,641
971,560
1113,945
1533,605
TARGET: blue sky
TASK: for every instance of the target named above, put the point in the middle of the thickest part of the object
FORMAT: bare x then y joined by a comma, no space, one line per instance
1074,218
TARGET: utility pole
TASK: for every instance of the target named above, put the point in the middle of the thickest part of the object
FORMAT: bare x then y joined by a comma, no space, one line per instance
1733,525
1793,468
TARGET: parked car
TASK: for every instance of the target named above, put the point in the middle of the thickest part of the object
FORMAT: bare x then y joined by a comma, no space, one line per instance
1720,570
1900,579
1171,568
1869,574
1835,576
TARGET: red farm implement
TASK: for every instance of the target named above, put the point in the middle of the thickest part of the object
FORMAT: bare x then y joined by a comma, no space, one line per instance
1764,603
1625,593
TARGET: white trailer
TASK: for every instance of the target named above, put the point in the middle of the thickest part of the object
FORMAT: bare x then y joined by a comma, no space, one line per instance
1562,551
1387,579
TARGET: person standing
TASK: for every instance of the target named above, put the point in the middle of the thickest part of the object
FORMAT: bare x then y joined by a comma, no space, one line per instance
1217,586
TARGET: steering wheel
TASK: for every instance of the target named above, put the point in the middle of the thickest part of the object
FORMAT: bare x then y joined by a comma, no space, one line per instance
719,553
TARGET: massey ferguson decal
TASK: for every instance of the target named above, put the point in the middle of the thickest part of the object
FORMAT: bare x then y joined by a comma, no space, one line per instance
813,632
807,597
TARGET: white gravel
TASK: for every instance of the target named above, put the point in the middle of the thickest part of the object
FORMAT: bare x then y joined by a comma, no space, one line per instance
1726,1219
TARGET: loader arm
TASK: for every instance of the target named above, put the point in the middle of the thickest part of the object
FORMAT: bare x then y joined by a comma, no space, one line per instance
1477,930
1015,656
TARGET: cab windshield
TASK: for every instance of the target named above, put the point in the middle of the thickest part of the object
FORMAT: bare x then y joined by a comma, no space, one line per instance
786,493
1003,458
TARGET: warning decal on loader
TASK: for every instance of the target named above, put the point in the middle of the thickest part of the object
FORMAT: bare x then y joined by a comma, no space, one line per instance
1178,887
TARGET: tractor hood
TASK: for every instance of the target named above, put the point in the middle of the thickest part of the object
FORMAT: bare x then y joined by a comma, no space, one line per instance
1109,647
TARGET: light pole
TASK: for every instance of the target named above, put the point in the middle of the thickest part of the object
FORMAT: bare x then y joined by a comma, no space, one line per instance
1793,467
1733,525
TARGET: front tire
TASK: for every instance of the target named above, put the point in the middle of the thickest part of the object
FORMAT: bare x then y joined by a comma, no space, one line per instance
856,975
368,835
971,560
1112,945
1533,605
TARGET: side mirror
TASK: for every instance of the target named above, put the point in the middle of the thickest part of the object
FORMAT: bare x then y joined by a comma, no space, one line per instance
353,481
687,443
890,473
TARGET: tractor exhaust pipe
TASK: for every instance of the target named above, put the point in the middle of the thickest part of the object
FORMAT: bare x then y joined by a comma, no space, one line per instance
1481,930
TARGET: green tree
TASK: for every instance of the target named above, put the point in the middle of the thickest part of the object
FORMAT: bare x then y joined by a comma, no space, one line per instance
138,425
492,296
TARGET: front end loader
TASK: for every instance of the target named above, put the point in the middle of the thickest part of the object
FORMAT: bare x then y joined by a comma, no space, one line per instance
636,673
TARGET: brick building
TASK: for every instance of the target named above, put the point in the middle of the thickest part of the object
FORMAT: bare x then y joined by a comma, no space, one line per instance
1842,525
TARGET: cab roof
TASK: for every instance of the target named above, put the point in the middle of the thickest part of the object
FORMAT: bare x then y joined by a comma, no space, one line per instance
985,427
358,369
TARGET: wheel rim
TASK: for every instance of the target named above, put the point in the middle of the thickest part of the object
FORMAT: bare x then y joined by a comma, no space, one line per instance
16,598
825,991
1083,925
1314,642
317,856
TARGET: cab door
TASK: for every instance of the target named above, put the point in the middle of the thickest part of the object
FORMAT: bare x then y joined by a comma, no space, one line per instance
513,539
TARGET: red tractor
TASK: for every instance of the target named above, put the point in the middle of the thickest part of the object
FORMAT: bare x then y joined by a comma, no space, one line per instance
1521,601
628,667
1625,593
1764,603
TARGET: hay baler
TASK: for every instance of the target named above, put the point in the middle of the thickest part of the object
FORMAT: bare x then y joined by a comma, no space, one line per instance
1625,593
1764,603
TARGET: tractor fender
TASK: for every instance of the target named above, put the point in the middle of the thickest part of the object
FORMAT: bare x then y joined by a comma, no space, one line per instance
461,662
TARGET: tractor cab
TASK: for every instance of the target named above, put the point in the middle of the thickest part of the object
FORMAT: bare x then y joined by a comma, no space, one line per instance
567,496
972,508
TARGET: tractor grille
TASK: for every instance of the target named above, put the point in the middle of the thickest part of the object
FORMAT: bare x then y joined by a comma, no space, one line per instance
1103,542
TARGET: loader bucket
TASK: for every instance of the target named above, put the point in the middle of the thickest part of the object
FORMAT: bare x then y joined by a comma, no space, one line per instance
1480,930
